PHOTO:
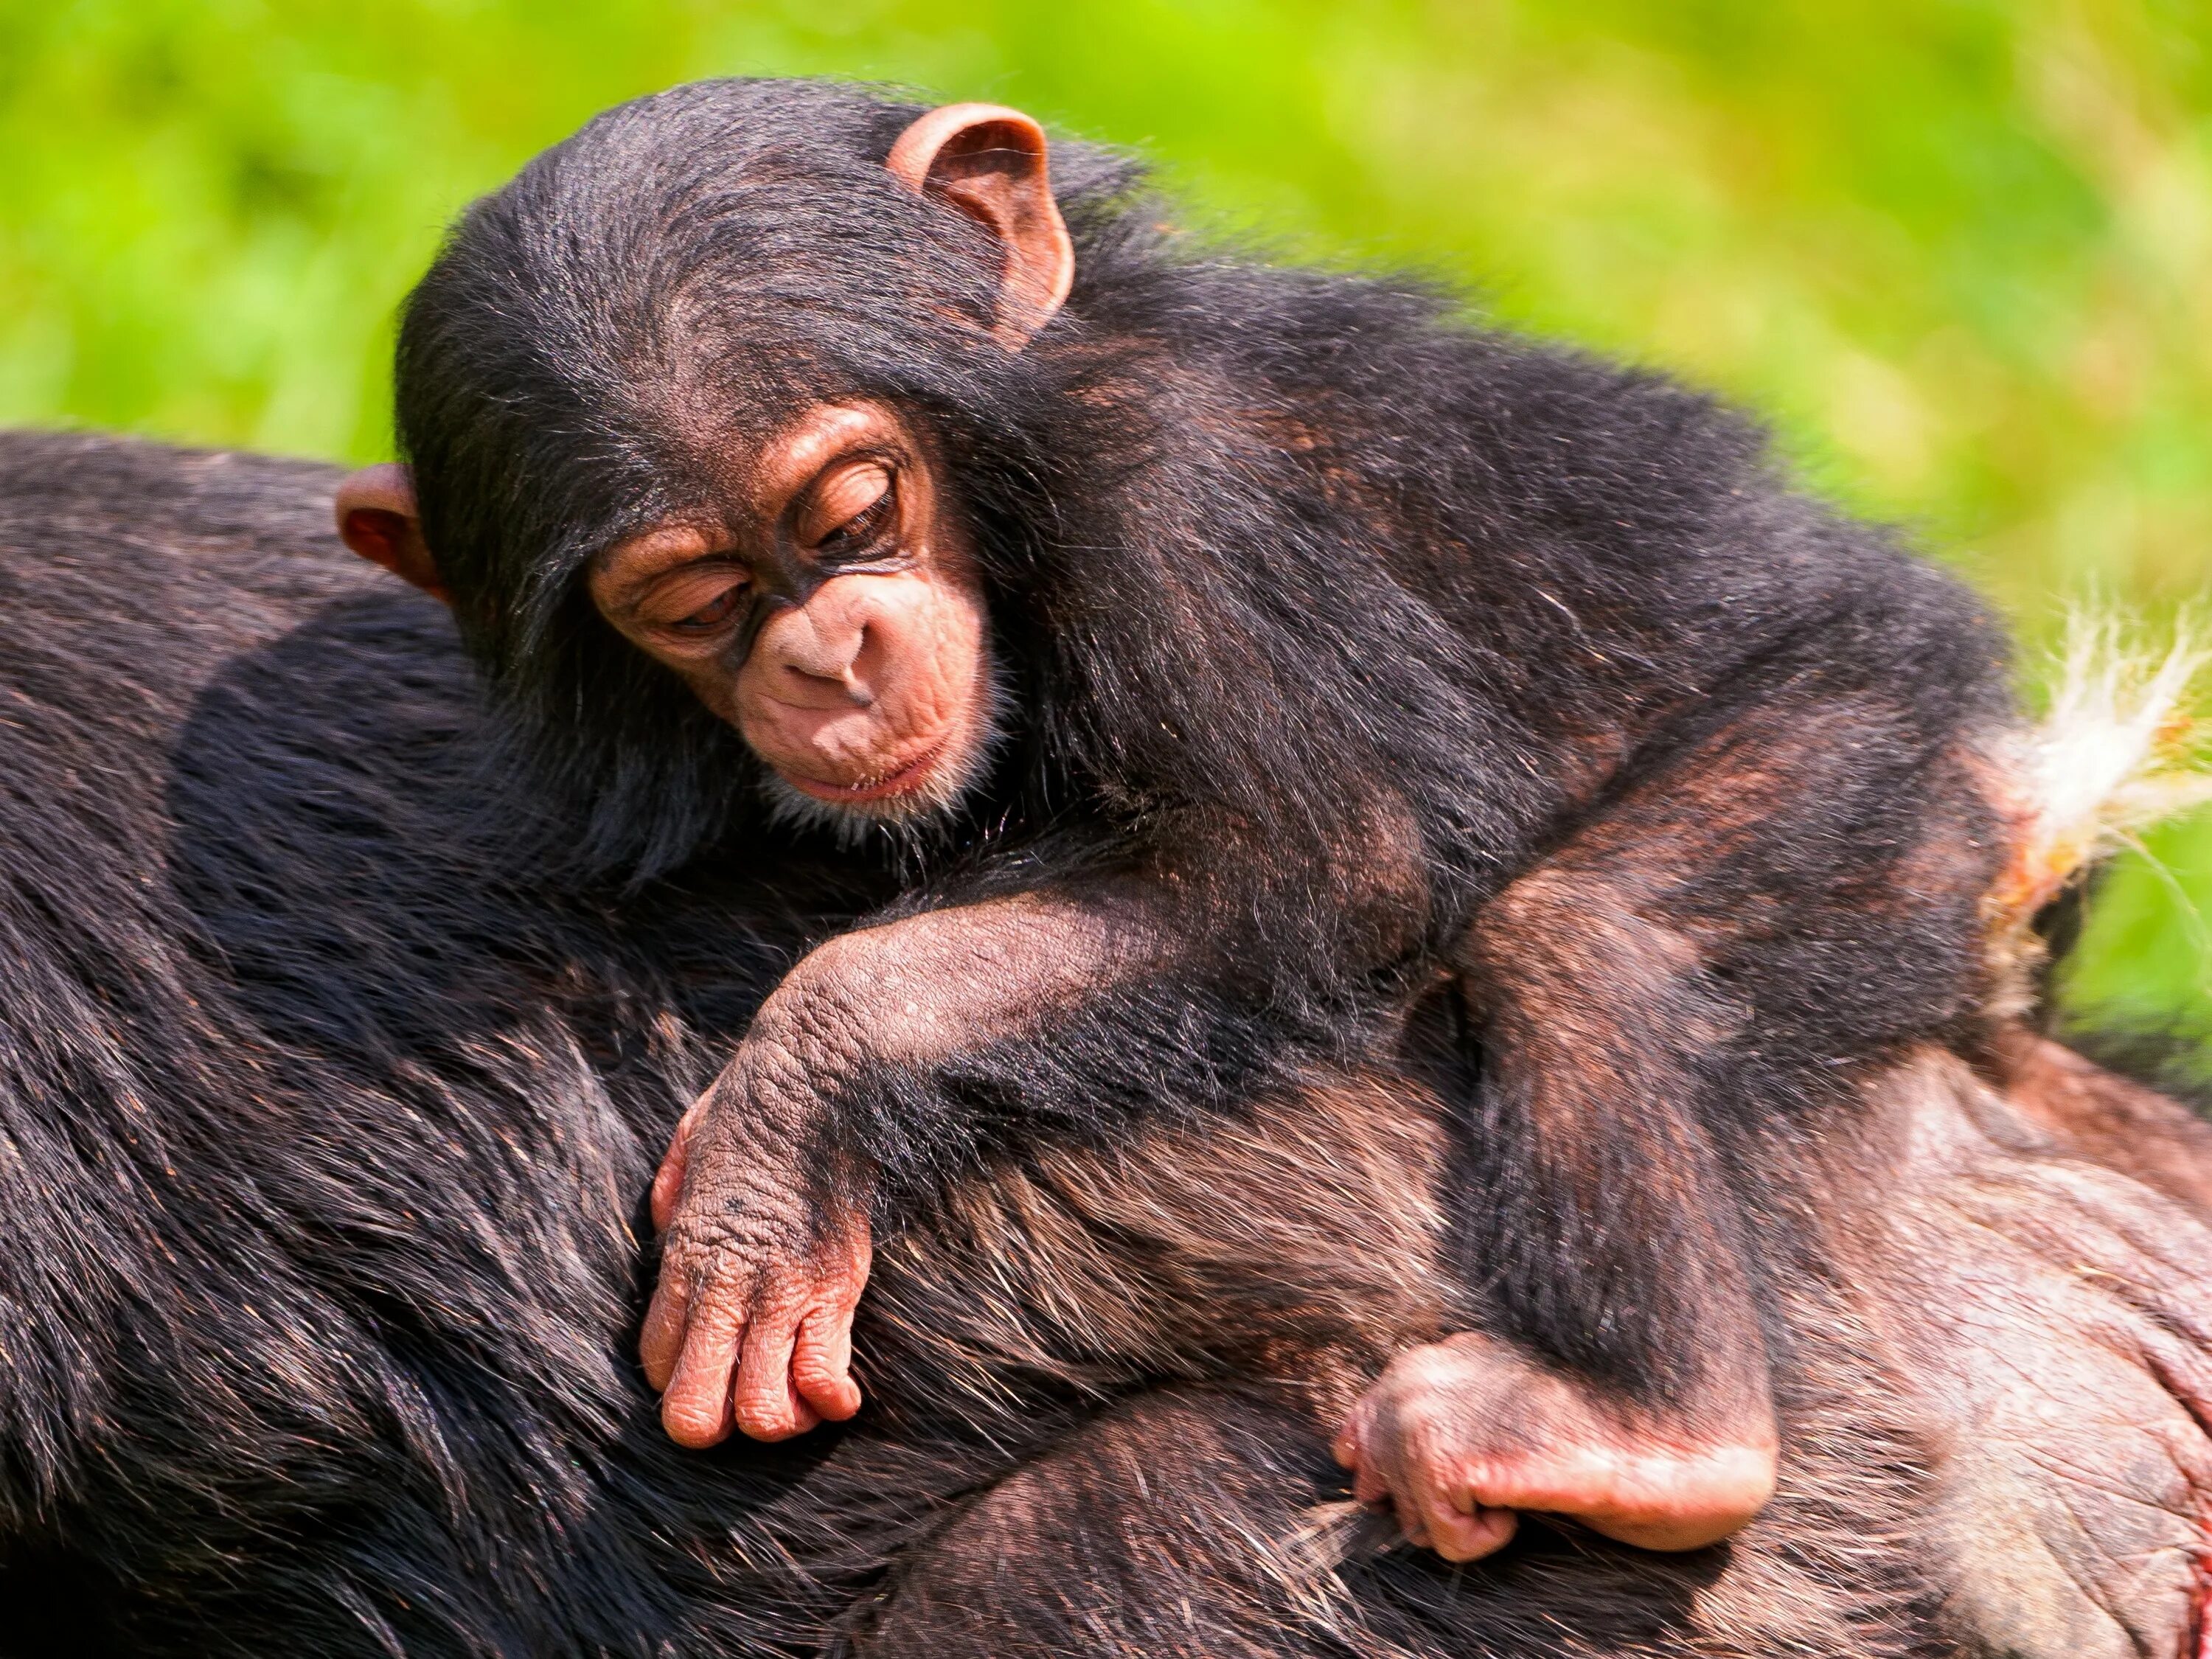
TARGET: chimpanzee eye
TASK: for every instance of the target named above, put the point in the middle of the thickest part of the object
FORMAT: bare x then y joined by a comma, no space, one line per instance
862,527
714,613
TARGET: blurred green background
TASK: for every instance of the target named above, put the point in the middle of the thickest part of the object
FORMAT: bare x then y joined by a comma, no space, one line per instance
1959,250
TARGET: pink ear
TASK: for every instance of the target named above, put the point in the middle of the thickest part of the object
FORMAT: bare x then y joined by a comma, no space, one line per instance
989,162
377,519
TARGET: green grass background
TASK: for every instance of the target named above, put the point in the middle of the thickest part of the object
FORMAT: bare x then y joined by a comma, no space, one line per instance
1958,251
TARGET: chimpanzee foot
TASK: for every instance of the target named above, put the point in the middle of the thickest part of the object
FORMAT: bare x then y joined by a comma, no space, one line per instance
1463,1435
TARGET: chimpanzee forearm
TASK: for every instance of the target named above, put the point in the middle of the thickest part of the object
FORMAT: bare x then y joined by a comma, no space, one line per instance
895,1053
890,1058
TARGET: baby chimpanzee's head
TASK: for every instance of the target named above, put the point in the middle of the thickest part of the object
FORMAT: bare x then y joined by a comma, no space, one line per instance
671,382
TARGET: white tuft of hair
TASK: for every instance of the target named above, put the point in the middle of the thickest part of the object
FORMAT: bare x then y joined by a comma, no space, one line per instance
2121,749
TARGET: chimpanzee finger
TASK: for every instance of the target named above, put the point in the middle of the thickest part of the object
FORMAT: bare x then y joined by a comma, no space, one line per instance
1461,1537
668,1179
695,1407
1448,1508
661,1342
1438,1506
767,1405
1409,1522
821,1364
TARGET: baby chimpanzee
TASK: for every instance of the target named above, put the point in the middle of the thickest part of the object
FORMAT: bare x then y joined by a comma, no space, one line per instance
1196,663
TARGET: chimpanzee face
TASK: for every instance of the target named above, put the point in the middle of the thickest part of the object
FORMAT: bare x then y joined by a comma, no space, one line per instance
824,599
832,614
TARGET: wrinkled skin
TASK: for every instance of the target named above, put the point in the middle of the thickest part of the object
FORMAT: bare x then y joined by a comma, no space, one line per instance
783,1326
2062,1309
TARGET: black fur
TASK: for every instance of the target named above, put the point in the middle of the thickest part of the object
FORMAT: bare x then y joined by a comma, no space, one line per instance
334,1063
322,1124
1285,565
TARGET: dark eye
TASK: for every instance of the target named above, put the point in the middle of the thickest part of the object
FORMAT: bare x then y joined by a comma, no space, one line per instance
714,613
862,528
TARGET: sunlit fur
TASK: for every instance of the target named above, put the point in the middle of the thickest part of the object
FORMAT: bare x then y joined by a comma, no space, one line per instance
2122,746
326,1121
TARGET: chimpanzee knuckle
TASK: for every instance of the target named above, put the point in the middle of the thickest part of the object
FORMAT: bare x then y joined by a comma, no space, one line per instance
825,1387
1481,1482
840,1298
732,1201
1425,1424
1454,1531
712,1266
699,1234
811,1369
783,1296
1460,1541
1468,1481
841,1261
1464,1538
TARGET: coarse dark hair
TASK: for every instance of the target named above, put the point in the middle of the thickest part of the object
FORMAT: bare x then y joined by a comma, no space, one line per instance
1179,489
324,1135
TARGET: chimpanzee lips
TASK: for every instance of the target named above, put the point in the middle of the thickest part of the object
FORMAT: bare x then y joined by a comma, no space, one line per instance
905,780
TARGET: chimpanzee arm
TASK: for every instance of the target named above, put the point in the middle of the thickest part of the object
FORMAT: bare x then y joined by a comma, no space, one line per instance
1716,952
887,1058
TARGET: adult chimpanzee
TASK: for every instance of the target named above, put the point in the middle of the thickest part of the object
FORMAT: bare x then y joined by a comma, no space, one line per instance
1209,656
325,1107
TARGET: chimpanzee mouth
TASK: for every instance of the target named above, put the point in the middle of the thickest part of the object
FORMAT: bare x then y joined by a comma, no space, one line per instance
924,789
908,799
906,780
904,802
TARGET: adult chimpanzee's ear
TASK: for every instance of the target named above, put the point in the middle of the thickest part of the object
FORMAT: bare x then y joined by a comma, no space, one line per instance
377,519
989,162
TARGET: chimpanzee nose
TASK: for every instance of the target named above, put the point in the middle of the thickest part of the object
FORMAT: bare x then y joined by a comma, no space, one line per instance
816,653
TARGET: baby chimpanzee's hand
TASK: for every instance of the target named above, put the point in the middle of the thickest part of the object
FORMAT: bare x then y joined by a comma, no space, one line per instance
1462,1434
751,1326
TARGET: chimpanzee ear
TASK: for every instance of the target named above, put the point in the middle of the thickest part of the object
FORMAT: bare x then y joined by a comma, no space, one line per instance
377,519
989,162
